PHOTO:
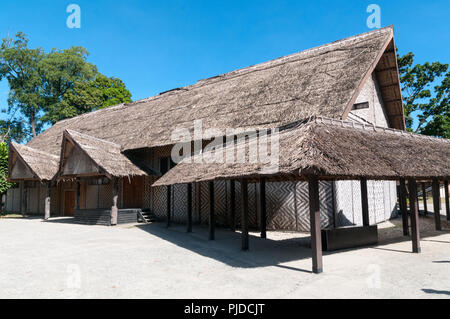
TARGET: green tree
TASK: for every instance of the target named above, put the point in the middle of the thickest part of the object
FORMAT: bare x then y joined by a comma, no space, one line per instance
19,65
425,89
4,183
48,87
62,70
89,96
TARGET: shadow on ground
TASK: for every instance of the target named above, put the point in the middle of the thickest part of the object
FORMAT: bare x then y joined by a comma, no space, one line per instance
226,248
437,292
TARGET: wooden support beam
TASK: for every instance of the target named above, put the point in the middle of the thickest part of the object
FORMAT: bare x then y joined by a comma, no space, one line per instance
404,207
189,208
447,201
115,197
232,205
414,212
424,197
244,213
314,216
212,221
169,201
47,201
77,194
364,202
262,198
436,204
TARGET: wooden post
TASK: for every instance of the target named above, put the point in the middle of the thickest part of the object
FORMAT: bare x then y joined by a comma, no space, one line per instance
24,199
447,201
114,208
77,195
436,204
364,202
189,208
47,201
244,213
169,194
404,207
414,211
314,216
232,205
424,197
262,198
211,220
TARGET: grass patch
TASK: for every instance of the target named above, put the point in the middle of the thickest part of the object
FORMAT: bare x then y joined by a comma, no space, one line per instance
10,215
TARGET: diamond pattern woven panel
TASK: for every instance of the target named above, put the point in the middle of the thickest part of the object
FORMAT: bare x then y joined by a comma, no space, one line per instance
379,201
105,194
146,196
179,203
220,198
160,201
280,202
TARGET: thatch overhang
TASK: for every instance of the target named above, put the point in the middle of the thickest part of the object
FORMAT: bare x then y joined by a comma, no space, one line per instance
84,155
322,81
329,149
26,163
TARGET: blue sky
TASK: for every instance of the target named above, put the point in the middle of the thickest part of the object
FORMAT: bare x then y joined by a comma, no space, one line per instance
154,46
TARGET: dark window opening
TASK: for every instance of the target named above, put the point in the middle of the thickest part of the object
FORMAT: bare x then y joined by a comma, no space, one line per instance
359,106
166,163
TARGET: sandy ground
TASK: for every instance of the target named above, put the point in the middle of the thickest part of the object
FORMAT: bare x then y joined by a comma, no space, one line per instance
58,259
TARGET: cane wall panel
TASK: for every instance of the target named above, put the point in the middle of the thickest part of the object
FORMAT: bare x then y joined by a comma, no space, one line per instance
280,202
105,195
160,201
179,203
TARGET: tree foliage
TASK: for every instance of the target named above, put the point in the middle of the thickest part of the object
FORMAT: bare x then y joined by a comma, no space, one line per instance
4,184
19,65
89,96
48,87
425,89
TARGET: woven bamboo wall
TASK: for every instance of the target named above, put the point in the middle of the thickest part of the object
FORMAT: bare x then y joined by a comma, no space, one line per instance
287,204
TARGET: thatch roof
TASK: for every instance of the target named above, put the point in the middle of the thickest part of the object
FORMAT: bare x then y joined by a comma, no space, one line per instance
321,81
106,155
42,165
330,149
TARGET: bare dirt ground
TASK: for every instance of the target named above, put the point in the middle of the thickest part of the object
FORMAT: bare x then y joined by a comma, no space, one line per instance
59,259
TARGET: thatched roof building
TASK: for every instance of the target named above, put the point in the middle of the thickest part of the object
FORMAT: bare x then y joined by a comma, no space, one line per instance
329,149
323,81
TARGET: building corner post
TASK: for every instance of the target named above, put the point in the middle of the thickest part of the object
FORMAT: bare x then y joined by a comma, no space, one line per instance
47,201
415,232
114,208
436,204
314,215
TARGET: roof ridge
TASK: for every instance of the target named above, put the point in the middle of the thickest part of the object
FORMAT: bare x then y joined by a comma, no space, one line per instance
93,137
17,145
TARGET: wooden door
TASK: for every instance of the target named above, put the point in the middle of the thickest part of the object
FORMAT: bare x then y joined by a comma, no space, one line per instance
132,192
69,203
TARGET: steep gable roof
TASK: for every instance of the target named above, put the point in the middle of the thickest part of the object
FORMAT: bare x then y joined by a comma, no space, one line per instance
42,166
105,156
321,81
